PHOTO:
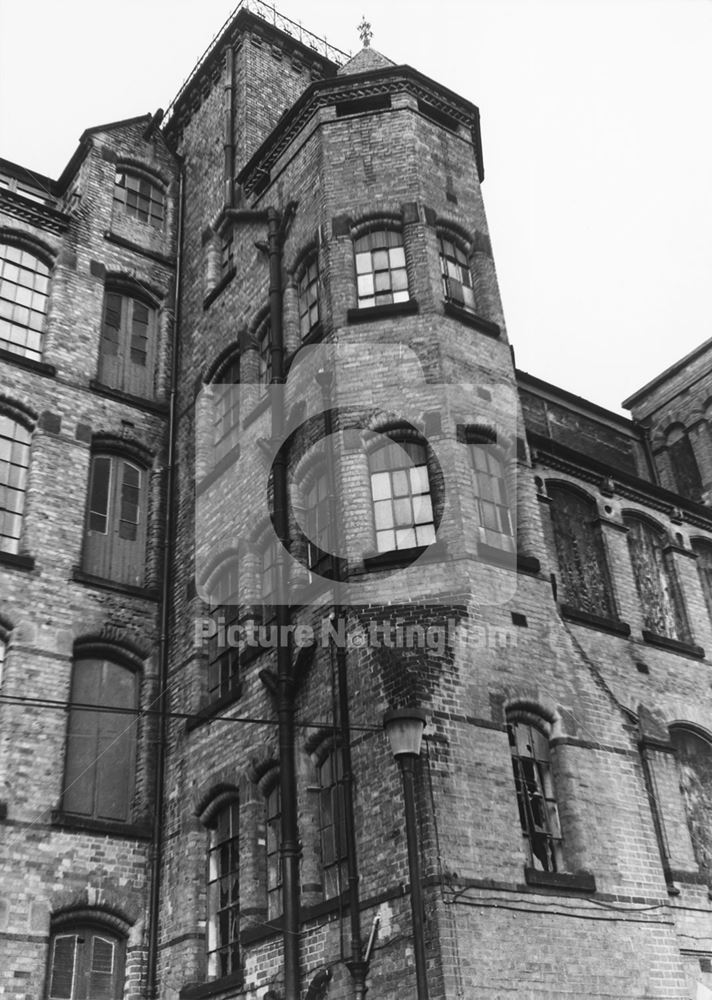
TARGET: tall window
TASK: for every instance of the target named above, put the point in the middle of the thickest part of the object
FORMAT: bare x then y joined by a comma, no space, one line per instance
583,570
685,469
14,463
332,828
694,754
490,485
456,276
381,275
226,434
317,522
223,658
85,964
655,579
128,345
273,840
309,297
115,542
703,551
538,813
264,347
101,745
140,198
224,893
227,253
24,291
400,489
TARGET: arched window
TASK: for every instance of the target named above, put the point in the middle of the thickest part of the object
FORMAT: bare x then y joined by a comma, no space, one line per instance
14,463
86,963
24,292
308,289
100,761
683,463
332,822
224,889
115,541
139,197
536,798
583,571
456,276
694,753
127,351
400,489
489,474
381,275
655,579
703,550
273,842
224,657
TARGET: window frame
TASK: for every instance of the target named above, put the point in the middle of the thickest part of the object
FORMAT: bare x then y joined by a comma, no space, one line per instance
226,407
19,259
216,943
273,849
535,791
502,533
155,186
113,560
668,589
454,258
309,295
15,447
85,935
369,241
125,374
331,822
223,666
404,441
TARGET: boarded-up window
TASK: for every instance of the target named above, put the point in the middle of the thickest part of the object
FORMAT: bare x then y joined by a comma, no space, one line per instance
115,543
584,582
86,965
224,893
127,353
101,744
684,467
655,579
695,761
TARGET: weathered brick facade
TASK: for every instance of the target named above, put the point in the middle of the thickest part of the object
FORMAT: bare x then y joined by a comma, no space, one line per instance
581,614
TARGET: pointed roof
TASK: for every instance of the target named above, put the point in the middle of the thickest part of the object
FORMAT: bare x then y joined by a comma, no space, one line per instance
364,61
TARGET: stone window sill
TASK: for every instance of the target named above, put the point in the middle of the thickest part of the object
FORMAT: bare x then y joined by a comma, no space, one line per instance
471,319
398,558
575,882
370,313
674,645
508,559
212,709
612,625
79,576
41,367
195,991
219,288
17,561
135,831
127,397
225,463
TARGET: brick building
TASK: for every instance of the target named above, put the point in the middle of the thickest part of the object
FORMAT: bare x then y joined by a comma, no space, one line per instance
271,316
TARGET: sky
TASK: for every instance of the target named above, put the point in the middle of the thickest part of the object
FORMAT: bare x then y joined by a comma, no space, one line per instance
597,141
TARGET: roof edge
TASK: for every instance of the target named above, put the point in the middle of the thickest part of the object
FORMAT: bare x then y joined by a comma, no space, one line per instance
667,373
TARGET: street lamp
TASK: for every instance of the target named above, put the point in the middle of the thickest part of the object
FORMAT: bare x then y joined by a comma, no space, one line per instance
404,729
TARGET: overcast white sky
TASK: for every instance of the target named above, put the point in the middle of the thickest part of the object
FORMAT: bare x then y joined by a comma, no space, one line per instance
597,144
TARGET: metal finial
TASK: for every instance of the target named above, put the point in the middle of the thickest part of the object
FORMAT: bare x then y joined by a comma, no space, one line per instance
364,30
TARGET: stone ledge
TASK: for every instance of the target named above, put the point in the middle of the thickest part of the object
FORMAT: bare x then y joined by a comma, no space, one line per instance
575,882
135,831
214,708
41,367
674,645
472,319
17,561
612,625
219,288
370,313
79,576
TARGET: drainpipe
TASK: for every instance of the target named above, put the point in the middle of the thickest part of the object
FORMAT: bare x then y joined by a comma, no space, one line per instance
356,964
289,849
157,833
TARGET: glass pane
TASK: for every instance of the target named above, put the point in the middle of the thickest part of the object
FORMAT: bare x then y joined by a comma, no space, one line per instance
63,967
405,538
401,485
383,514
381,485
425,534
396,256
380,260
365,285
363,263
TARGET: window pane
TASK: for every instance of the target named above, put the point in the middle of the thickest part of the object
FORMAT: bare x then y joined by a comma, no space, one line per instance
99,497
63,959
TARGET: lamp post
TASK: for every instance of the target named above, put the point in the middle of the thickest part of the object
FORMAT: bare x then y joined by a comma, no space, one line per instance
404,729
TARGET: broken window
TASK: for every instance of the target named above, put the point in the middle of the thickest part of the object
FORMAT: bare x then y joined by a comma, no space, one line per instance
694,754
224,892
655,579
538,812
584,581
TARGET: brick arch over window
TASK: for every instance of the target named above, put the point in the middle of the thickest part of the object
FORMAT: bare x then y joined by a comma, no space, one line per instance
87,953
128,348
17,423
694,755
25,269
584,578
655,579
117,510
